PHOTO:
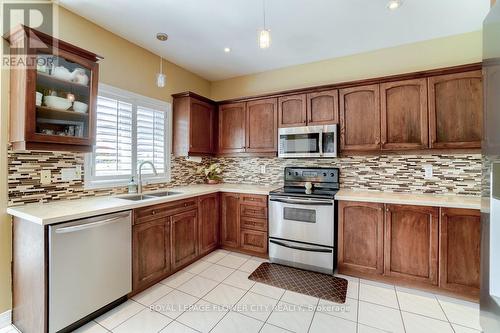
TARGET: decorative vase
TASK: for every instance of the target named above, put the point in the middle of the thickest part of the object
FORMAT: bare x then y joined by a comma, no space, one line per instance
212,181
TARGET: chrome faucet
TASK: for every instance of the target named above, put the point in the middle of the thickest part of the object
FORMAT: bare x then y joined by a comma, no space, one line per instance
139,175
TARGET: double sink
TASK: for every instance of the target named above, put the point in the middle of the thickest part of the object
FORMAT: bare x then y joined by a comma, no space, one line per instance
155,195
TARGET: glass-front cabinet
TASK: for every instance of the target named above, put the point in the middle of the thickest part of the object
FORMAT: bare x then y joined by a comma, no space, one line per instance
53,94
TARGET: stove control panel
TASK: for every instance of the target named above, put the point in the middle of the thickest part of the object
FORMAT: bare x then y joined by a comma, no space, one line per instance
313,175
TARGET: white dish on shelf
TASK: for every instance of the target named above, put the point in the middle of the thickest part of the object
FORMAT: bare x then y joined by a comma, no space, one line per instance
80,107
38,98
79,76
62,73
58,103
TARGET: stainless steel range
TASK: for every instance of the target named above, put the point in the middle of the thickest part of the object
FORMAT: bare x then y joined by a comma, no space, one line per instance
302,221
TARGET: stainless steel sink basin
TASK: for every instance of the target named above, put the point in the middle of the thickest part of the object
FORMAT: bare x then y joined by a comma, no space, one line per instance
137,197
163,194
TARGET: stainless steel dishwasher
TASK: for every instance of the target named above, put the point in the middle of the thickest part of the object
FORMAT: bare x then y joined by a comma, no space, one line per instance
90,266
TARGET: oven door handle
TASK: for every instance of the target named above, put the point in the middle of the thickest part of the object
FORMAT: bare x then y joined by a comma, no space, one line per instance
300,247
303,202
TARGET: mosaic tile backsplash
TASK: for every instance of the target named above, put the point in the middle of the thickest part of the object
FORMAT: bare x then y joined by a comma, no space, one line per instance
452,174
24,177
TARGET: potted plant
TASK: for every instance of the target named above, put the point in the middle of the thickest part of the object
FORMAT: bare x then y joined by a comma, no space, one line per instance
211,173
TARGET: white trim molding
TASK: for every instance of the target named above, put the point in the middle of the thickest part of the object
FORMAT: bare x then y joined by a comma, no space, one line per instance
5,319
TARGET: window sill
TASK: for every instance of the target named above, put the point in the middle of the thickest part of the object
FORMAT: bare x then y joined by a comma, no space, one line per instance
104,184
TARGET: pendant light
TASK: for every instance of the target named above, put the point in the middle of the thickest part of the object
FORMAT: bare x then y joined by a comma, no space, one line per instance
161,79
264,34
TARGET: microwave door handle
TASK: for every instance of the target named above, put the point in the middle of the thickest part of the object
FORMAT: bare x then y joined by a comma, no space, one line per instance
300,248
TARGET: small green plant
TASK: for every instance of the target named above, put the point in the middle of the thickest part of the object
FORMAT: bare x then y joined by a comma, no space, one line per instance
212,172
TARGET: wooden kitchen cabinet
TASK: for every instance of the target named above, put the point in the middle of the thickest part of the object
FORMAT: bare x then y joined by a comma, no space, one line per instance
459,251
404,121
230,220
150,252
261,126
411,243
254,240
232,126
194,120
323,108
360,118
184,236
244,222
361,237
292,111
208,223
455,110
52,125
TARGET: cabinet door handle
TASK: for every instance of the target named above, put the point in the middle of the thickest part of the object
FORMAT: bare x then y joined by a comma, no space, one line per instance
153,212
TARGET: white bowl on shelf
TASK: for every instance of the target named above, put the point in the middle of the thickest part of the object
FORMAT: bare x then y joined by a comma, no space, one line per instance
55,102
80,107
62,73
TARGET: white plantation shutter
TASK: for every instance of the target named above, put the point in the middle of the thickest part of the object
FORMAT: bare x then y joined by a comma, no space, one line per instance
129,129
151,138
113,150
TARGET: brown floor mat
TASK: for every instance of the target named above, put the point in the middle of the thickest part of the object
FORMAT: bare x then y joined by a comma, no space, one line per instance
305,282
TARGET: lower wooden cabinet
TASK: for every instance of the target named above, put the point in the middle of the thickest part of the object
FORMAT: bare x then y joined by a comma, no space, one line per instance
244,222
230,220
150,252
459,250
208,223
184,236
411,243
430,247
253,240
361,237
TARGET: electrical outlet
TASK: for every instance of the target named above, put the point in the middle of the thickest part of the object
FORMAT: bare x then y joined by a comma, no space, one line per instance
45,177
78,172
68,174
428,171
262,169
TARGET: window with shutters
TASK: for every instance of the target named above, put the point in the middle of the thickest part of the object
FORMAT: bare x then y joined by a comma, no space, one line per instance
129,129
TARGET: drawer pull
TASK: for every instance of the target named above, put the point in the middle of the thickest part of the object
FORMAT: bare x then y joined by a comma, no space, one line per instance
153,212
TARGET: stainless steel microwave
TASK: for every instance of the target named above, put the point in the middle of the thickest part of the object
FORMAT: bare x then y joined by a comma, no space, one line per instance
308,141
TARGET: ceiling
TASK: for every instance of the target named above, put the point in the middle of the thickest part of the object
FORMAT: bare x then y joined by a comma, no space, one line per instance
302,31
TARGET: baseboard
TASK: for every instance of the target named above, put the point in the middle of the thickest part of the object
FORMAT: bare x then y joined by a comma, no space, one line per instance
5,319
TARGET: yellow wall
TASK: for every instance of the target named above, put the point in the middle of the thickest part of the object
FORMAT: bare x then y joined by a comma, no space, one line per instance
126,66
442,52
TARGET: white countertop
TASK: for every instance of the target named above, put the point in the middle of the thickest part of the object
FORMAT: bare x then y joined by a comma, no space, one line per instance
436,200
66,210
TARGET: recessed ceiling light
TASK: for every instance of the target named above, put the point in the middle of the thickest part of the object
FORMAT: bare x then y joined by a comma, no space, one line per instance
394,4
227,49
161,36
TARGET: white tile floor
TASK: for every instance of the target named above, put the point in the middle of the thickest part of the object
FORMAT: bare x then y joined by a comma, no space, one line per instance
215,295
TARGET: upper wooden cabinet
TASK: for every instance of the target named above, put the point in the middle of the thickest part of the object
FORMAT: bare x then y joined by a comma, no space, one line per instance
232,124
323,107
193,125
459,250
361,237
249,127
404,121
455,110
411,243
53,93
292,111
318,108
261,126
360,118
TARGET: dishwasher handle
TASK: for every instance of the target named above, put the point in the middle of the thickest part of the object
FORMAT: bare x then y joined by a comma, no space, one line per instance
91,225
